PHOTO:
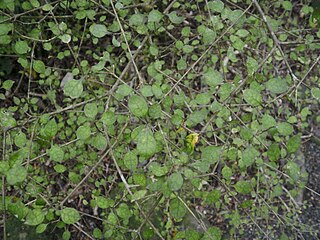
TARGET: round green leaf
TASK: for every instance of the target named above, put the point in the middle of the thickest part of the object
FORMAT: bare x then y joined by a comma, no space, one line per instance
177,209
70,215
138,106
146,144
277,85
130,160
16,174
34,217
39,66
56,153
253,97
90,110
73,88
83,132
99,141
20,140
175,181
21,47
98,30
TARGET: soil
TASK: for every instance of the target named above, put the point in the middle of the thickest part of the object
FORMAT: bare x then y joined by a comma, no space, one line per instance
311,215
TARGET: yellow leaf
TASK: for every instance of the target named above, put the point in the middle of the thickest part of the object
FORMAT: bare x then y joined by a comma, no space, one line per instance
191,141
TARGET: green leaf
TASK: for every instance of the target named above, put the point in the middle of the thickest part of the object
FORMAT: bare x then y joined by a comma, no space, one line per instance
98,30
175,181
91,110
39,66
212,77
294,143
103,202
211,154
70,215
130,160
108,118
209,36
59,168
226,173
216,6
285,128
274,152
315,93
253,97
249,156
34,217
20,140
21,47
174,18
155,16
277,85
136,19
212,197
73,88
99,141
50,129
41,228
138,106
243,187
123,211
7,85
157,170
138,195
124,90
65,38
83,132
56,153
177,209
268,121
16,174
252,66
146,144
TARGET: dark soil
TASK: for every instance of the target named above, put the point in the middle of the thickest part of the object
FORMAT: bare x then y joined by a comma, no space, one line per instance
311,215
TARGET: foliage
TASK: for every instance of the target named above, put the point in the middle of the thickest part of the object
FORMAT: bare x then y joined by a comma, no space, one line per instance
123,119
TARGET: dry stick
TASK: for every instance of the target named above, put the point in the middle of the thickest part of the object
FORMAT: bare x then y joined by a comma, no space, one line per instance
125,39
93,168
205,52
276,40
128,188
81,230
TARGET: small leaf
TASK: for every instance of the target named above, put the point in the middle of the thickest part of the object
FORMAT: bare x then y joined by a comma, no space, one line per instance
39,66
277,85
70,215
175,181
243,187
155,16
138,195
56,153
138,106
253,97
177,209
249,156
146,144
50,129
91,110
174,18
294,143
16,175
73,88
130,160
34,217
285,128
212,77
7,85
191,141
99,141
41,228
274,152
98,30
83,132
21,47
